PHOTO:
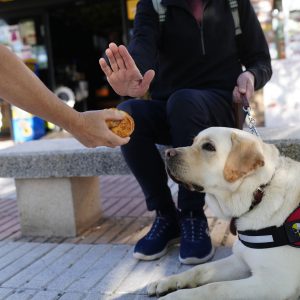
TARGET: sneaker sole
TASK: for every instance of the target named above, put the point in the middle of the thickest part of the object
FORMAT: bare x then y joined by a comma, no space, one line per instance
142,256
196,260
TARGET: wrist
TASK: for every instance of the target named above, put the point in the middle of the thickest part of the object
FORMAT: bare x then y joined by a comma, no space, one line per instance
66,117
74,122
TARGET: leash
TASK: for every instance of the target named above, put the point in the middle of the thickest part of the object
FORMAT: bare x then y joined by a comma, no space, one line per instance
250,120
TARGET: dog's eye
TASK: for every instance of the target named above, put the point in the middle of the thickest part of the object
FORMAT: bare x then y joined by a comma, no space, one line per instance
208,147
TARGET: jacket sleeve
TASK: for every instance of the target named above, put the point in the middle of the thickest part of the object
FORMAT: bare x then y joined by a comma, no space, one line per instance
253,47
146,32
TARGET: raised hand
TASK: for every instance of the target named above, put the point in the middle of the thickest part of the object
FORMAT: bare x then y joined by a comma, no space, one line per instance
122,73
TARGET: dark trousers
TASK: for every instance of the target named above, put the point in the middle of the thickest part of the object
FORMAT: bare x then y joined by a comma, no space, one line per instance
174,122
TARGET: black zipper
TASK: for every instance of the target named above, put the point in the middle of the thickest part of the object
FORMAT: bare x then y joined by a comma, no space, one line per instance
201,26
202,38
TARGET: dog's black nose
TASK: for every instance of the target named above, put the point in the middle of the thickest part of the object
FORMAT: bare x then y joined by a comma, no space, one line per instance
171,152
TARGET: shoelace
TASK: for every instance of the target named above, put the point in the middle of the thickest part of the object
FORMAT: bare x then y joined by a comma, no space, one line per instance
158,227
193,228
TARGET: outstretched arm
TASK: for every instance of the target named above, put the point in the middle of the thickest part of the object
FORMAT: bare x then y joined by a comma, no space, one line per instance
20,87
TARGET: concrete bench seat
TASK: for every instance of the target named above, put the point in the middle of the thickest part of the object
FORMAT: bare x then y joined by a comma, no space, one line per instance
57,183
57,180
60,158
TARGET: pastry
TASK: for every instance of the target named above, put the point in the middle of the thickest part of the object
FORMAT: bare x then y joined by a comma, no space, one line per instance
122,128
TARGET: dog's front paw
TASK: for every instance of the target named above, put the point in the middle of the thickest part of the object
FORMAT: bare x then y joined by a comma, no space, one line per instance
162,287
167,285
181,295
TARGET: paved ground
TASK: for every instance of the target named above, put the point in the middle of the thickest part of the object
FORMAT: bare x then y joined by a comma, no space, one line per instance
69,271
98,264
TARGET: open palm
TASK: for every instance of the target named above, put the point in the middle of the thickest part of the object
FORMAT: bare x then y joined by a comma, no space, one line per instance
122,73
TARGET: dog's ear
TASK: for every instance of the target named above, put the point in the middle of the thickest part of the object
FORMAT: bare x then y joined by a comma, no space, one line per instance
243,158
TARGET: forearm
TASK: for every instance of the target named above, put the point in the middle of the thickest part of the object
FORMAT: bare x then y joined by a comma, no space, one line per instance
262,72
20,87
254,50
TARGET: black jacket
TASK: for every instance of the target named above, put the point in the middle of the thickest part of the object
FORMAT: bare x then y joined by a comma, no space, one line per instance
186,54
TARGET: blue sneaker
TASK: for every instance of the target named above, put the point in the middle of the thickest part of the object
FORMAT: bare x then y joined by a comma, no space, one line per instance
195,244
164,233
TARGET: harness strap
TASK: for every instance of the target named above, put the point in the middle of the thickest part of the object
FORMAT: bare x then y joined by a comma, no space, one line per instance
286,234
264,238
235,14
160,9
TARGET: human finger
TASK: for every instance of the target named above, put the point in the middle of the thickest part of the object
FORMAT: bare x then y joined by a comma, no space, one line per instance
127,58
113,114
147,79
114,140
242,84
115,50
112,60
236,95
250,89
105,67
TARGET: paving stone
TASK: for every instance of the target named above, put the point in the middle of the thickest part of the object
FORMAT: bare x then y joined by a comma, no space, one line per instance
100,269
18,263
38,266
46,295
5,292
22,295
116,275
72,296
80,269
54,270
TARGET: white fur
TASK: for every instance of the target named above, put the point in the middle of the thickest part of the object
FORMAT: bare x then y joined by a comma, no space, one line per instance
258,274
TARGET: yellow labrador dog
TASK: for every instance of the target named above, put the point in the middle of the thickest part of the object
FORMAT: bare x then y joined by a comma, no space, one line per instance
246,179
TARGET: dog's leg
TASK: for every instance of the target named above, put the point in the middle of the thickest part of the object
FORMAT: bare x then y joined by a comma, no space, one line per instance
229,268
252,288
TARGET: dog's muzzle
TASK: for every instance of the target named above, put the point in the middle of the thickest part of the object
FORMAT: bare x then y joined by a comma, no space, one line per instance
173,163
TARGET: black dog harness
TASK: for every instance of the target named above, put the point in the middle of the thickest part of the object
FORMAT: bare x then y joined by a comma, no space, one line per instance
287,234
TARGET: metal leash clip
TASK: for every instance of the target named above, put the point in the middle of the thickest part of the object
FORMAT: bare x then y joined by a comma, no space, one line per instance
249,118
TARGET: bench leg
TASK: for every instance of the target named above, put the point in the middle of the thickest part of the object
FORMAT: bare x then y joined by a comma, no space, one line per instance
58,206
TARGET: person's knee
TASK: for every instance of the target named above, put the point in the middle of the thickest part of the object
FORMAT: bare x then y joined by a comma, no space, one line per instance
187,116
128,106
183,104
176,102
138,111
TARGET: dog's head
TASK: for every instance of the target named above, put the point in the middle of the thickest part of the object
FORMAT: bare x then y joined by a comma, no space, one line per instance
219,159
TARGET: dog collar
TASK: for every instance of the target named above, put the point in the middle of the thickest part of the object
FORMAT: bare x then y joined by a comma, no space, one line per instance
257,197
287,234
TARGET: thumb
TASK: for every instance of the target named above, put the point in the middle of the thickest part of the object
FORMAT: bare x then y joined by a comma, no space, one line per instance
148,77
113,114
242,84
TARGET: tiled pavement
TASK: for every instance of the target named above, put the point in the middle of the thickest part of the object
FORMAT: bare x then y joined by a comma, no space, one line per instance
98,264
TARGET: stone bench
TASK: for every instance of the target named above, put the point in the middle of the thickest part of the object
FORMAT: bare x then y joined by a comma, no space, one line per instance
57,180
57,183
